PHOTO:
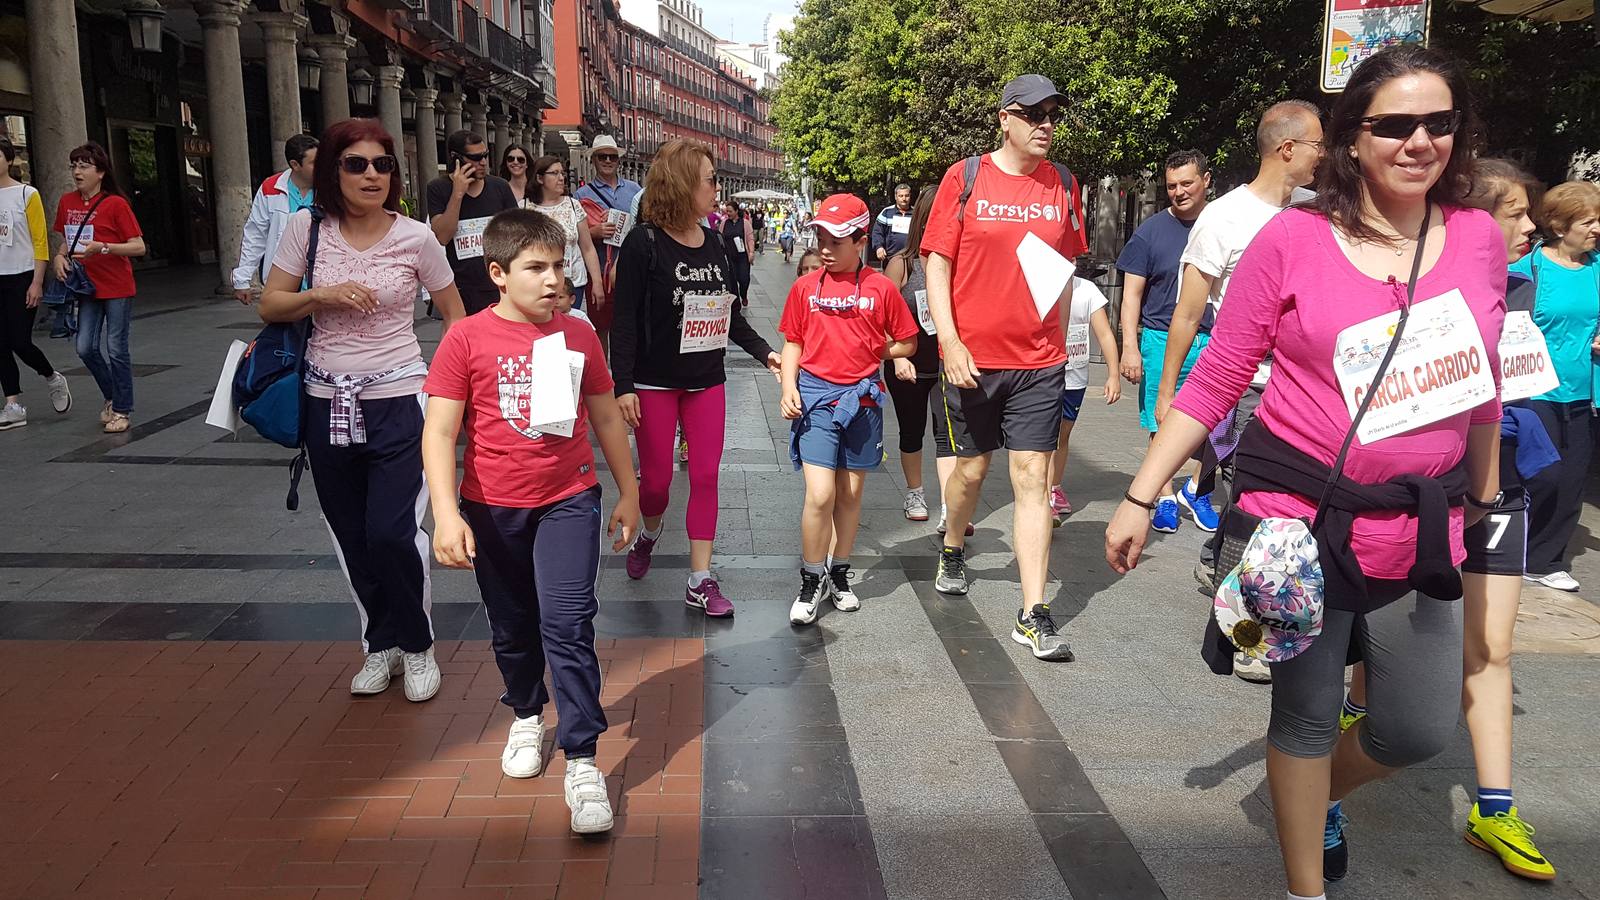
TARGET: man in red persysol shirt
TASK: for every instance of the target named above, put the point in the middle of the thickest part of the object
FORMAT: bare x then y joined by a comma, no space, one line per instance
1004,360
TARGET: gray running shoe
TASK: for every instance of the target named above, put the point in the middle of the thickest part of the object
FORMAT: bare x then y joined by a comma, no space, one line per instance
60,393
1037,631
952,577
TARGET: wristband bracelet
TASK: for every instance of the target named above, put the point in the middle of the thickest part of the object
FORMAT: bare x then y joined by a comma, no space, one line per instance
1490,504
1137,502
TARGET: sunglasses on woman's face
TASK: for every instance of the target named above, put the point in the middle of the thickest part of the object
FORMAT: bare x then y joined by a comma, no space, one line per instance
1401,126
519,160
357,165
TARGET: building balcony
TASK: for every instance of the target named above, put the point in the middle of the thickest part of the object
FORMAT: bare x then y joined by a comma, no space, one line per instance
472,31
434,19
505,51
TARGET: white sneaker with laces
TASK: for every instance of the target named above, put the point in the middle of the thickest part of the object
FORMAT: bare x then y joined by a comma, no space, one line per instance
586,797
1251,669
60,392
14,415
376,672
524,753
422,676
840,591
916,505
1561,581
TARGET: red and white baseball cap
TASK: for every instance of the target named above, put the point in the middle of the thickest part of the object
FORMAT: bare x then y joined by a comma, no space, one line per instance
842,215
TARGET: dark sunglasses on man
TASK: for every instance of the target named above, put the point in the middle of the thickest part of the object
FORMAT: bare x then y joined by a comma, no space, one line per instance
606,157
1037,115
357,165
1401,126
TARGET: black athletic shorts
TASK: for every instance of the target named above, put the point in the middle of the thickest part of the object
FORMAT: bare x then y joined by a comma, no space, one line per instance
1018,409
1498,544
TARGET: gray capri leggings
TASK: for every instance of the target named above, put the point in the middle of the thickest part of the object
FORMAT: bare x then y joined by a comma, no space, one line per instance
1412,650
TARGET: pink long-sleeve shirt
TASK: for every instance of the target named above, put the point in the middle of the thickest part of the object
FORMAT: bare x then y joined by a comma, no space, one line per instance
1292,293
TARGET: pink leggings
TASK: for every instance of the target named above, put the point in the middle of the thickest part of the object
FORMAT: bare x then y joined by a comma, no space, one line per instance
704,416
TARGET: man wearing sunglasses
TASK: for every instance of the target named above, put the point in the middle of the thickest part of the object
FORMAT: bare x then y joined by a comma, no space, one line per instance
460,206
603,197
1004,362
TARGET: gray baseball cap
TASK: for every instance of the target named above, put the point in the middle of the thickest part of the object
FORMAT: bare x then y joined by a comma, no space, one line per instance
1029,90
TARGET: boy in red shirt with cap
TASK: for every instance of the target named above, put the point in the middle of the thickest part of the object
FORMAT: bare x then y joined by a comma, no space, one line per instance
839,324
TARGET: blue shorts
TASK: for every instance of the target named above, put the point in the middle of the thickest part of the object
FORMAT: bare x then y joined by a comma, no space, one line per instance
1153,347
1072,403
858,445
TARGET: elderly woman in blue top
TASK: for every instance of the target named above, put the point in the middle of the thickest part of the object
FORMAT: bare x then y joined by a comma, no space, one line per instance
1565,272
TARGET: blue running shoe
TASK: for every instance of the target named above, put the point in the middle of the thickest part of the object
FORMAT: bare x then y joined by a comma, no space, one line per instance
1166,517
1205,516
1335,849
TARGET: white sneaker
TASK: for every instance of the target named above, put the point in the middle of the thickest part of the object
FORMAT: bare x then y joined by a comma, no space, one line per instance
1561,581
524,753
916,506
422,676
14,415
376,672
586,797
1251,669
839,589
808,603
60,392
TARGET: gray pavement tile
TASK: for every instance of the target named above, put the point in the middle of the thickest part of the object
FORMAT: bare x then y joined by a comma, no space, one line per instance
931,712
864,655
766,713
15,584
1158,809
161,622
154,586
1563,804
29,620
783,858
965,855
781,778
911,775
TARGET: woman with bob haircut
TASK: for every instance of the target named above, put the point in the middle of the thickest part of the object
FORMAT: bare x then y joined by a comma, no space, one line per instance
364,377
667,373
1320,288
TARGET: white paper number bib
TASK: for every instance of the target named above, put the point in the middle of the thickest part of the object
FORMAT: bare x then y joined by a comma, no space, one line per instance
469,237
705,322
1525,367
900,224
924,315
5,228
1077,346
1439,370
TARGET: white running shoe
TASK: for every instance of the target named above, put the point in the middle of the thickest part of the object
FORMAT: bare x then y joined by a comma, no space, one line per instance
524,753
916,506
14,415
60,392
839,589
808,604
1561,581
376,672
422,676
586,797
1251,669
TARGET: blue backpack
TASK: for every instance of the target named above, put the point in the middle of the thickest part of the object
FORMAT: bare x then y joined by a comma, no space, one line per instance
269,386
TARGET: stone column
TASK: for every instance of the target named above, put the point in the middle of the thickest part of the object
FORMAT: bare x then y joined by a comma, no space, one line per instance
335,87
389,79
230,148
280,32
452,113
427,136
59,122
477,119
502,137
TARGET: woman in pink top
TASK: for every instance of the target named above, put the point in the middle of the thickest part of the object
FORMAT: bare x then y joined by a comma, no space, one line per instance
1393,169
364,389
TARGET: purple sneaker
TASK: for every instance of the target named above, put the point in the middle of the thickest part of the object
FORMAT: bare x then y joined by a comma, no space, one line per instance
639,556
708,596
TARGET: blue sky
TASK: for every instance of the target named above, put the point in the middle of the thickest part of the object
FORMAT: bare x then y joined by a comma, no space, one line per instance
742,20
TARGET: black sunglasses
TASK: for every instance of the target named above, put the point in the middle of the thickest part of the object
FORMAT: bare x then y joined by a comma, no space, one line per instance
477,157
606,157
1401,126
1035,115
516,159
357,165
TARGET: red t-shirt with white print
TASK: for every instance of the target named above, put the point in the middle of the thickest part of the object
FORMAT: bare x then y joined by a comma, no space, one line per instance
844,322
485,361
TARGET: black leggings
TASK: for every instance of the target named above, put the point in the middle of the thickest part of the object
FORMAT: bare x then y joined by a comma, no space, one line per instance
16,334
914,401
741,275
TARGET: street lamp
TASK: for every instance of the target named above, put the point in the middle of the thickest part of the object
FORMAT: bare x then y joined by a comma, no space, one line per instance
310,69
361,87
408,105
144,24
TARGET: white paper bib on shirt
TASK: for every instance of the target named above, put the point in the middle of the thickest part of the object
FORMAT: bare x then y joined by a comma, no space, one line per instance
1440,369
1525,367
738,245
1077,346
6,236
705,322
901,225
86,235
469,237
924,314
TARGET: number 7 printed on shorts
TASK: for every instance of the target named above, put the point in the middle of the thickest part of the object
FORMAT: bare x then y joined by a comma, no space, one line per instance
1500,521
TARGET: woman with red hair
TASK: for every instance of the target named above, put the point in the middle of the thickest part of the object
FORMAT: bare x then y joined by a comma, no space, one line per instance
364,378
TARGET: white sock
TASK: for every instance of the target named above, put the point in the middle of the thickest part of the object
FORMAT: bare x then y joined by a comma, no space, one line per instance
695,578
653,535
1294,896
1168,496
1190,488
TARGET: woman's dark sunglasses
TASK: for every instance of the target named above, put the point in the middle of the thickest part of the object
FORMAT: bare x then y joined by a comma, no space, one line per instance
1035,115
516,159
1401,126
357,165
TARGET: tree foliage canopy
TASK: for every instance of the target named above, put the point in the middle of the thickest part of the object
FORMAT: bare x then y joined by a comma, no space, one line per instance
883,90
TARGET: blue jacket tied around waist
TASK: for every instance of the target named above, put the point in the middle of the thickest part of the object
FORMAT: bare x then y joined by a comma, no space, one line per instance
815,392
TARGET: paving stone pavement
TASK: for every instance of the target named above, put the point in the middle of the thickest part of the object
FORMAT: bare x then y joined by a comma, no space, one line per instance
907,751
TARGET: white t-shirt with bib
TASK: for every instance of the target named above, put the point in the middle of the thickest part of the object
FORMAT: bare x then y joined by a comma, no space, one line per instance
569,213
1086,301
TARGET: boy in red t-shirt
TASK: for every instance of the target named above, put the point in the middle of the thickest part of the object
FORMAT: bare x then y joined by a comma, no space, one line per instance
528,522
839,324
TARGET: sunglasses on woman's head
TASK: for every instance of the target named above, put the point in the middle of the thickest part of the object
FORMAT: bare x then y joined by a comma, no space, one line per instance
357,165
1401,126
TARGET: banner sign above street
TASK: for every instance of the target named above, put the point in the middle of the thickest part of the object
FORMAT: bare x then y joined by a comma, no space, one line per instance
1353,30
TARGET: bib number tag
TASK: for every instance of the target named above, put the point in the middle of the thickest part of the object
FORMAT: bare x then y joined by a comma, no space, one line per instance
5,229
900,225
738,245
1077,346
705,322
924,314
1439,370
469,238
84,236
1525,367
624,223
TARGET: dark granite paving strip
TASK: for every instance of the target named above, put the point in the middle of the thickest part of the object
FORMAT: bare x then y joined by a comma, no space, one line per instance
151,314
97,451
782,816
1093,854
140,370
258,562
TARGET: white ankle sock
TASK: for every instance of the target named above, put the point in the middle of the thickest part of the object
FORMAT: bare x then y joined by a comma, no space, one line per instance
1294,896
